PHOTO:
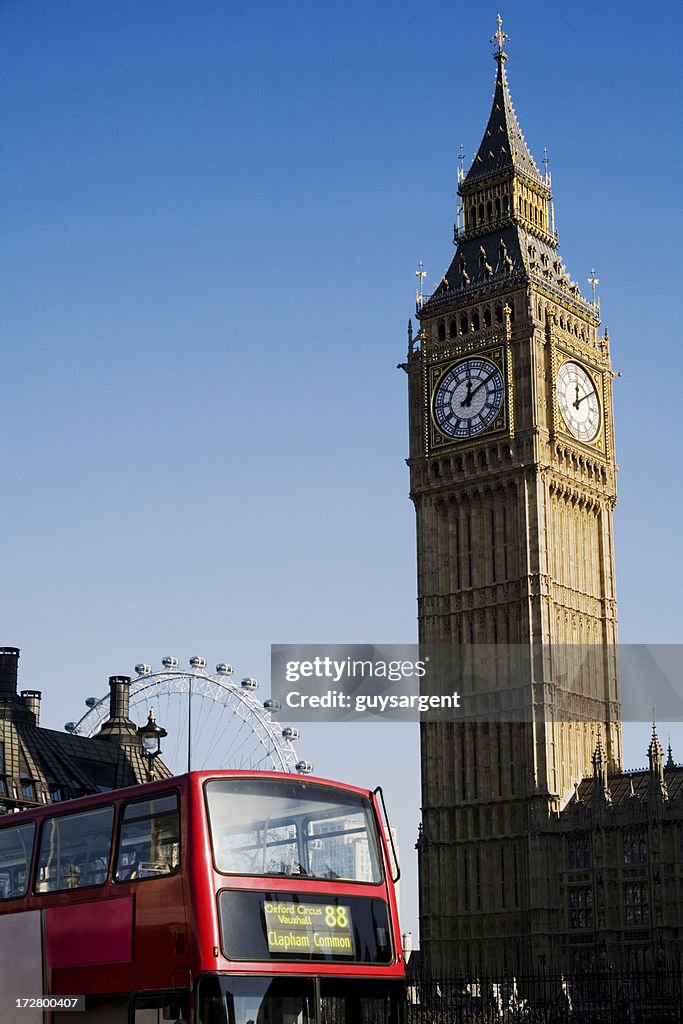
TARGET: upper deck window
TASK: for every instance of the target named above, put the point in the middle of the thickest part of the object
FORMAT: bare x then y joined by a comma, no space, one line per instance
297,828
16,845
149,842
74,850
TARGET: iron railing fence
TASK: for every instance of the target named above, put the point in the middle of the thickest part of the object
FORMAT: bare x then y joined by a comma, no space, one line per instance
544,997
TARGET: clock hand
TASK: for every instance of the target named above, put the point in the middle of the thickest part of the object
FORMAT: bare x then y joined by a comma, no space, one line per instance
575,403
467,400
583,399
481,384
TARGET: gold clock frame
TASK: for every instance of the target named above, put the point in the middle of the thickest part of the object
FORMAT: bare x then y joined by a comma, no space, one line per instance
436,441
600,382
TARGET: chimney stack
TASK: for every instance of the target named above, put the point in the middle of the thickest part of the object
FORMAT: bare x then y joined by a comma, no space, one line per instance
9,666
119,728
31,699
119,697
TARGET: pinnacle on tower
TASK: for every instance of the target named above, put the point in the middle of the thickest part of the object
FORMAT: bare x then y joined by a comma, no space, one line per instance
655,753
602,790
670,763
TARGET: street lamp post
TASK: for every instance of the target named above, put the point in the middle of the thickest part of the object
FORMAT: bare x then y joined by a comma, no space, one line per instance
151,735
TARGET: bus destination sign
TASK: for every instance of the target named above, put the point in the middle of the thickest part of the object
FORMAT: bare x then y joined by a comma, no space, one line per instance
309,928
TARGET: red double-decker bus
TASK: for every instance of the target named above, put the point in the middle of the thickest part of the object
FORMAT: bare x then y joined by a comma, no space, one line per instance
211,898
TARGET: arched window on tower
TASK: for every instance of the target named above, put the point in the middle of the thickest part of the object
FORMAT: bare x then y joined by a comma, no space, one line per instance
499,314
475,321
487,316
452,328
464,324
442,330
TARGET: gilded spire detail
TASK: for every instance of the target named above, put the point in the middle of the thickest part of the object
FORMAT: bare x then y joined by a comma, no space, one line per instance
499,38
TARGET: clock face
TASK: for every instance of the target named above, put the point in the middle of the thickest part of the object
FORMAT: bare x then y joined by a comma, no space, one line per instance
578,400
468,398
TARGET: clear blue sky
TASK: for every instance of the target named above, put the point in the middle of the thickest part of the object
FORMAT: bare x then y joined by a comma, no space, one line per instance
211,215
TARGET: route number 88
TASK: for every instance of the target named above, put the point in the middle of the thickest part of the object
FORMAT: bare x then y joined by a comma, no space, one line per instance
336,917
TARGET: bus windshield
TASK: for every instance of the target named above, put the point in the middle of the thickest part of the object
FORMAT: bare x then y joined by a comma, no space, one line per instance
288,827
223,999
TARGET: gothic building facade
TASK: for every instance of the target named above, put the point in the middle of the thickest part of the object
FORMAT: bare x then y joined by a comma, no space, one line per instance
527,814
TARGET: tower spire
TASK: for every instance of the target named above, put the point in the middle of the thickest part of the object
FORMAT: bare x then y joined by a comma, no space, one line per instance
503,146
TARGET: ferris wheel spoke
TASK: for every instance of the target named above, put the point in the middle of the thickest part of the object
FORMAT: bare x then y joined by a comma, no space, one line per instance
215,739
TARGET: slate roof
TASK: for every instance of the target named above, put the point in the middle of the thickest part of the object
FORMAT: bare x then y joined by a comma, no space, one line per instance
62,765
500,259
626,787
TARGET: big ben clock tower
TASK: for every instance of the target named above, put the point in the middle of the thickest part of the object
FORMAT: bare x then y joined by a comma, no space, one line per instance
512,474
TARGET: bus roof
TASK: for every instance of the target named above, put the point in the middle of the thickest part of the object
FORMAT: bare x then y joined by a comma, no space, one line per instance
185,781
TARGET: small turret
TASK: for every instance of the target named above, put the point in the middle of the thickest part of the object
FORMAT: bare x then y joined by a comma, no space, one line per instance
670,763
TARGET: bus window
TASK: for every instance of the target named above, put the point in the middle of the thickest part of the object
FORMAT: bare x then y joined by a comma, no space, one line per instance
273,827
16,845
149,839
223,999
74,850
360,1002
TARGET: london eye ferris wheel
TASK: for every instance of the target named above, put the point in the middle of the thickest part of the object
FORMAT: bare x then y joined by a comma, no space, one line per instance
212,721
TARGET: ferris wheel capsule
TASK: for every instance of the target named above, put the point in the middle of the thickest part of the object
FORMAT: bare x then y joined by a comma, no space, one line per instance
197,662
143,670
223,669
169,662
272,705
91,702
290,734
304,767
249,684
